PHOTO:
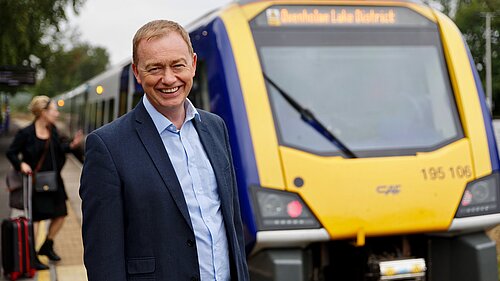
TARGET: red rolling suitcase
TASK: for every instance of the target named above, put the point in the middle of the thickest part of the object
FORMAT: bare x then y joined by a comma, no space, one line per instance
18,251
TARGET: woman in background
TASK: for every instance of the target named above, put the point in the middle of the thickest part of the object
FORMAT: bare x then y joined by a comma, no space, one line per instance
31,144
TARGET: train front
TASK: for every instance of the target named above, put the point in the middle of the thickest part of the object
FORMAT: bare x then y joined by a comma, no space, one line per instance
371,141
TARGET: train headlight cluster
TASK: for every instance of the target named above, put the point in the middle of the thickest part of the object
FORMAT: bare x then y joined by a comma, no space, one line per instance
279,210
480,197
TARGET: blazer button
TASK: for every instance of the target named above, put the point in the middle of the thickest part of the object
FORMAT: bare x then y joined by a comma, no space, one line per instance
190,243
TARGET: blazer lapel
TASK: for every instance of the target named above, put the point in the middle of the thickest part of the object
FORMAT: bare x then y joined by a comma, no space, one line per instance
217,155
152,142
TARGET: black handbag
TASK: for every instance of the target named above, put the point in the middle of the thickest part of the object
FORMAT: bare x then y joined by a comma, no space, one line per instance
46,181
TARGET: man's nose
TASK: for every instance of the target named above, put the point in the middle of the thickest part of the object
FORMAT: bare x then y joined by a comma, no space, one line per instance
168,76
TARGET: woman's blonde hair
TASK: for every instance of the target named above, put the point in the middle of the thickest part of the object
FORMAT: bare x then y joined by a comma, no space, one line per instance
38,104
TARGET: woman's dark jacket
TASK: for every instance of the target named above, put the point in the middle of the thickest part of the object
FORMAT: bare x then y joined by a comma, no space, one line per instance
31,149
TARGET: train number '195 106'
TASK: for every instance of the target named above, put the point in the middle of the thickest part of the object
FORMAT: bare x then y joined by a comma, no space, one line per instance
451,172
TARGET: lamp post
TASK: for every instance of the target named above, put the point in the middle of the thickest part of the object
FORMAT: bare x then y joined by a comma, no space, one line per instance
487,58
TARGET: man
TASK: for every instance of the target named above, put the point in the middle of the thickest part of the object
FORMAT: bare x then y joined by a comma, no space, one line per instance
158,188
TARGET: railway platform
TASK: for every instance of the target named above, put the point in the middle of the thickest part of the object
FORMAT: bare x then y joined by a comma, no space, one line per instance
68,243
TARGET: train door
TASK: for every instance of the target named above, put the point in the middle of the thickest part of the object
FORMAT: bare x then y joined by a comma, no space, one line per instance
124,89
135,90
199,92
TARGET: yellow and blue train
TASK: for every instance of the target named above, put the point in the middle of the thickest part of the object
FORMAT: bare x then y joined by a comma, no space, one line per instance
363,146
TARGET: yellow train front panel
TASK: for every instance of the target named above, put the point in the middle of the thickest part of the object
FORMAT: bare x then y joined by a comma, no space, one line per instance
381,196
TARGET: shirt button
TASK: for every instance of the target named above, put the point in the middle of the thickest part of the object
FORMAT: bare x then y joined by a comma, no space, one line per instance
190,243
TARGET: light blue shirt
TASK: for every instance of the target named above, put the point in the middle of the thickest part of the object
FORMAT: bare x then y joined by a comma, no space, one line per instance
197,179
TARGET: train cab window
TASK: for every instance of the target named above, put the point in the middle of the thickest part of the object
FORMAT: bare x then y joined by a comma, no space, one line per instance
199,92
381,89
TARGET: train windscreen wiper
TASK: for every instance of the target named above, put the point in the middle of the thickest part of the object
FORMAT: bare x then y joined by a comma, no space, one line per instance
307,116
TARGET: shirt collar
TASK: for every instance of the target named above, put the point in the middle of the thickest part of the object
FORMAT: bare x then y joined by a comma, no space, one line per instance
161,122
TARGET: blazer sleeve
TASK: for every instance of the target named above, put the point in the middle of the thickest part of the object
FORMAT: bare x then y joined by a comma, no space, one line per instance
102,210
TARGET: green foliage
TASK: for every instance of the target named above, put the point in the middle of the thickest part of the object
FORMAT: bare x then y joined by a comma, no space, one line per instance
30,35
19,103
29,26
68,69
470,20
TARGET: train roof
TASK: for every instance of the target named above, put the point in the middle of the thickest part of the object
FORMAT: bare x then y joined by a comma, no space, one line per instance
96,79
243,2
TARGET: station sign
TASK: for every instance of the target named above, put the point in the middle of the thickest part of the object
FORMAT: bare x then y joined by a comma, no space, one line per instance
14,76
339,15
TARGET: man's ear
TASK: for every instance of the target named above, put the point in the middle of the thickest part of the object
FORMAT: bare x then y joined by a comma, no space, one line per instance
136,73
195,58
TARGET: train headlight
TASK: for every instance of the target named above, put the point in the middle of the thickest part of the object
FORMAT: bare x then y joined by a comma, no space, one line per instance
279,210
480,197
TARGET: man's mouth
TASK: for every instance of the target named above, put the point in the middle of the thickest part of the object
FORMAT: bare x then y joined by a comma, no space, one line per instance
169,91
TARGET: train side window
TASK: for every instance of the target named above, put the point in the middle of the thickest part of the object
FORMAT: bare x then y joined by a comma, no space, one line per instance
72,116
81,115
111,111
88,117
105,109
95,114
199,92
102,113
136,98
91,117
122,109
84,111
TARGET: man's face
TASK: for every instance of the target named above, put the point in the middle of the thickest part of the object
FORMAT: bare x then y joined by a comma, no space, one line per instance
165,69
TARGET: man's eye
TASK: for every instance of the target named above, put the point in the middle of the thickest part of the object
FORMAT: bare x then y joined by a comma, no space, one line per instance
153,69
179,66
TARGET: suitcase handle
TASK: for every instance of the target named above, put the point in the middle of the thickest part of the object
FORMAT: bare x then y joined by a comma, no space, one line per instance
27,194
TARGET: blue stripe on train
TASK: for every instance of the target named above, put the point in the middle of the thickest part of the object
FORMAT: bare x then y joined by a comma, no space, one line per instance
486,115
226,100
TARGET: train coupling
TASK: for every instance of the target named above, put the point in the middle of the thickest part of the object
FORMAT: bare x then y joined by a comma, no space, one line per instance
400,269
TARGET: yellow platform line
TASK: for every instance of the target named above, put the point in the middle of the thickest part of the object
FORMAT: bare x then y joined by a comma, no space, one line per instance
42,275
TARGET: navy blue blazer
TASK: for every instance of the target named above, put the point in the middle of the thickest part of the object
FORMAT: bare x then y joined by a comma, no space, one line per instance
136,224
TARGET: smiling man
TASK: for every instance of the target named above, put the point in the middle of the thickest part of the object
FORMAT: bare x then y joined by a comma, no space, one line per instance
158,189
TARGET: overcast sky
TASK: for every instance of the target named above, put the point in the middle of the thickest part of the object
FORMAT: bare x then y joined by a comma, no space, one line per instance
113,23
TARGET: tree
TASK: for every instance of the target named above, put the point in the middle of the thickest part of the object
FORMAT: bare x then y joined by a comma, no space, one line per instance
29,27
30,35
67,69
470,20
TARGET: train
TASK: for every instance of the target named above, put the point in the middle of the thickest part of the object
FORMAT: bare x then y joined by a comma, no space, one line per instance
362,142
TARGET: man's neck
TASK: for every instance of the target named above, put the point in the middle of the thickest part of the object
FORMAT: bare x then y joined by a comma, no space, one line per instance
177,118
